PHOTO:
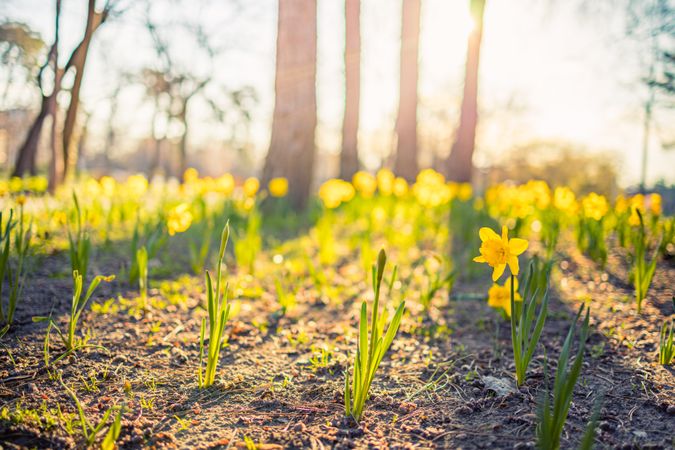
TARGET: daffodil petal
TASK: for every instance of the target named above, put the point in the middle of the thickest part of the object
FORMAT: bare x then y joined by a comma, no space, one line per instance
480,259
499,270
505,233
513,265
517,246
507,309
486,234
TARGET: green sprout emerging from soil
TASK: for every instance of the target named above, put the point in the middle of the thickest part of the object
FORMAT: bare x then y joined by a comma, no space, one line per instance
371,348
219,311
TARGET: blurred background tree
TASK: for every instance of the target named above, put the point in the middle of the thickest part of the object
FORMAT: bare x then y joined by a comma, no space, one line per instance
292,148
405,163
349,156
239,86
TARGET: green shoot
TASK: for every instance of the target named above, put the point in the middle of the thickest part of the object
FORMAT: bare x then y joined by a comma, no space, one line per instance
666,349
436,280
15,275
142,262
219,311
113,433
77,305
286,299
591,429
199,251
552,415
91,431
247,247
80,245
371,349
152,238
524,338
643,270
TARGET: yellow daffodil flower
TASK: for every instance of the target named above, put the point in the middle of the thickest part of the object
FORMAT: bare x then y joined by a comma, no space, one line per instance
656,204
499,296
564,200
364,183
385,181
400,187
190,175
595,206
278,187
334,192
179,219
500,251
225,184
251,186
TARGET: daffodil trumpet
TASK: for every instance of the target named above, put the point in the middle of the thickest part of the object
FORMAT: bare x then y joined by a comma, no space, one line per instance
500,251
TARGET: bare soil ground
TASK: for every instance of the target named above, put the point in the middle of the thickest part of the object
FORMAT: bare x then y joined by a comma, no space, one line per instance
439,387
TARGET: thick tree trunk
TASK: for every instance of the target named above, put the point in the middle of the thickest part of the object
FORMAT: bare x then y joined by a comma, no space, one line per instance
292,150
26,156
349,157
78,60
405,163
460,161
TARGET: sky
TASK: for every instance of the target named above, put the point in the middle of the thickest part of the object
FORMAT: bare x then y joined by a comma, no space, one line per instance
548,72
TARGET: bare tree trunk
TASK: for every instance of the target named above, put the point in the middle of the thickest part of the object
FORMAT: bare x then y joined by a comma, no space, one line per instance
182,160
55,168
405,163
27,154
78,60
25,158
292,150
82,145
459,163
349,157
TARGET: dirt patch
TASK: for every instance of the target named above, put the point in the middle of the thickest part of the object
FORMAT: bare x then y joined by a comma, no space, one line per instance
436,389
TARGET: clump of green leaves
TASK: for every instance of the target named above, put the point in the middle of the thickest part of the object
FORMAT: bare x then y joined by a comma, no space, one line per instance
286,298
80,244
90,431
152,236
591,239
77,305
142,262
219,312
587,441
248,245
643,269
666,349
552,413
436,279
13,271
524,338
199,247
371,348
